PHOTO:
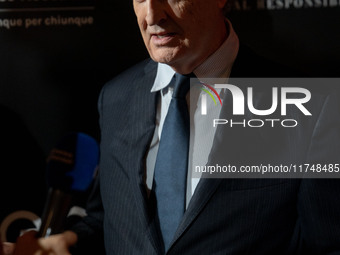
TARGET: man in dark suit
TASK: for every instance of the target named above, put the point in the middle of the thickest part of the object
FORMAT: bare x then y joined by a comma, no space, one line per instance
222,215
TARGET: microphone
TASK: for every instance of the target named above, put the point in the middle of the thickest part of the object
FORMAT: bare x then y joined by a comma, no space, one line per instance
70,169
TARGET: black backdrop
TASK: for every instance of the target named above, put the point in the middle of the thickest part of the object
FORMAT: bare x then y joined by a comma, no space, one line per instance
56,55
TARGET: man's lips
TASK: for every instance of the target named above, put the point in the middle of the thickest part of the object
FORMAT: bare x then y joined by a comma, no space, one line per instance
163,38
163,34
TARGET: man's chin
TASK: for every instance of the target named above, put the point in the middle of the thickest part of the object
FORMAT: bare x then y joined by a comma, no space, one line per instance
164,55
167,61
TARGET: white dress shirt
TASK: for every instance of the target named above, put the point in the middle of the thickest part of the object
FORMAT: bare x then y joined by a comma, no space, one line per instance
218,65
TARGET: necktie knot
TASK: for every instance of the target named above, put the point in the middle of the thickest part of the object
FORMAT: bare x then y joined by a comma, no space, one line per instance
181,85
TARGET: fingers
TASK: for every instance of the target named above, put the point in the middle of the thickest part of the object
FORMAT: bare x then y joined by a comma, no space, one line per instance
70,237
7,248
59,244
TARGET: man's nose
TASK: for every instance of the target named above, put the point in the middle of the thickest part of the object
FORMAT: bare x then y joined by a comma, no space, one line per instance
155,12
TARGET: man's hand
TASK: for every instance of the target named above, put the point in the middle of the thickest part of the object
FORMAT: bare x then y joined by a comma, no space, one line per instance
28,244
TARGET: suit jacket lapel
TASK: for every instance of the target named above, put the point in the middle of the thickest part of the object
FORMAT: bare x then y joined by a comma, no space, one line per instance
142,114
204,191
142,125
208,186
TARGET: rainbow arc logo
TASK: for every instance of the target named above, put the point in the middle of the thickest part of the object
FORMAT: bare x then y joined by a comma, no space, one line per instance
208,89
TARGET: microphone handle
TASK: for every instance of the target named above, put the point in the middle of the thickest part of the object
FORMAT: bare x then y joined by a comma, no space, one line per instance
55,213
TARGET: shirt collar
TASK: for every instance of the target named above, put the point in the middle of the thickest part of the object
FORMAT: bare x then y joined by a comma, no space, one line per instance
163,77
217,65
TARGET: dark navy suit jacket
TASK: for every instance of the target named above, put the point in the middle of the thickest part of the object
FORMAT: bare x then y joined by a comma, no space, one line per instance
225,216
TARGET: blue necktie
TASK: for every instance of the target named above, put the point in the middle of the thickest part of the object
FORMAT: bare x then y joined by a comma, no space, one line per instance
172,161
